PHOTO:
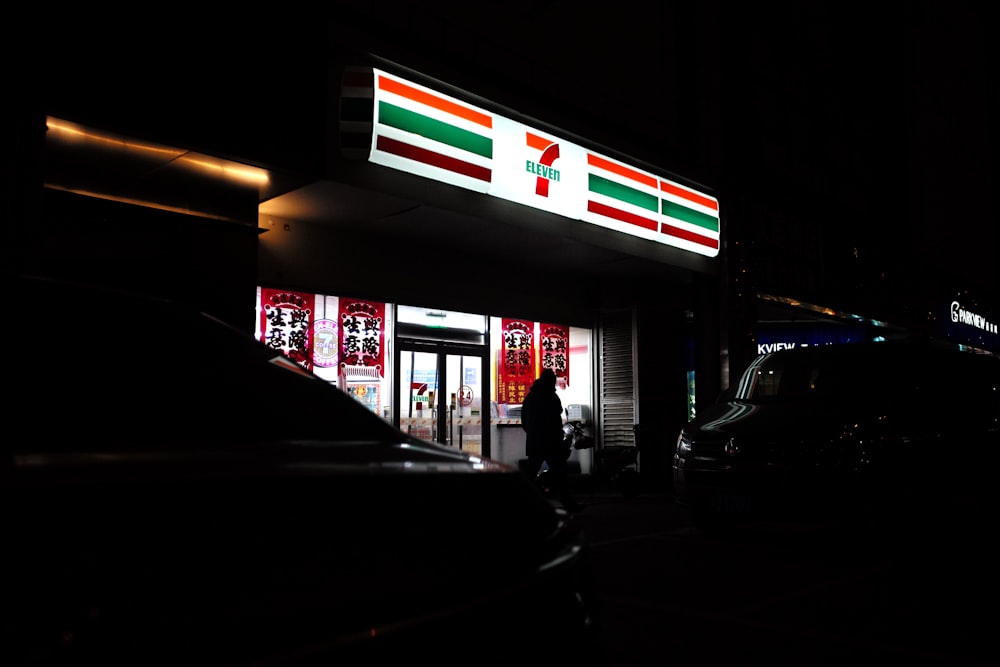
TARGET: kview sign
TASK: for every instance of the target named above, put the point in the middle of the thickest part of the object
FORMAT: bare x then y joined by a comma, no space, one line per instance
773,336
404,125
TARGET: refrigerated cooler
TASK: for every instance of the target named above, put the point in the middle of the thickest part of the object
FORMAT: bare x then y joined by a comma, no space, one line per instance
364,383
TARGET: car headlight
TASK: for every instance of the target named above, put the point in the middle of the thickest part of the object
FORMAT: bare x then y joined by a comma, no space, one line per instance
683,444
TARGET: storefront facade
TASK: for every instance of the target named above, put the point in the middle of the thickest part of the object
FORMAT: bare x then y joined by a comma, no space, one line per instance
448,159
455,378
555,252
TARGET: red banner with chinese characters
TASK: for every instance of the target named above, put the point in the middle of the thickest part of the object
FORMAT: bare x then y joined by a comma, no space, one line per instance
516,365
554,345
286,319
362,334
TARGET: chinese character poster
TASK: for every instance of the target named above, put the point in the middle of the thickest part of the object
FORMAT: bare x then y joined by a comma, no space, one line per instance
516,366
361,333
554,345
286,324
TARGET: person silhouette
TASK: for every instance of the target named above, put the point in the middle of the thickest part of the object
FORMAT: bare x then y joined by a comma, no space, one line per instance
541,419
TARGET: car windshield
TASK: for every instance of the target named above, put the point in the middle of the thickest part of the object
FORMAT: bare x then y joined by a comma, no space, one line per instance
819,374
917,376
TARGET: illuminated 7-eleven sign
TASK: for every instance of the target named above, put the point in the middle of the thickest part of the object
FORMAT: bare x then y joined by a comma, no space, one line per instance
403,125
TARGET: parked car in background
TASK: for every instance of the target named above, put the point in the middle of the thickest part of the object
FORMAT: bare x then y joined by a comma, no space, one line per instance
177,493
851,429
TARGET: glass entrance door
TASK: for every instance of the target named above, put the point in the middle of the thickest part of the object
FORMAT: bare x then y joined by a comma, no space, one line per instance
441,394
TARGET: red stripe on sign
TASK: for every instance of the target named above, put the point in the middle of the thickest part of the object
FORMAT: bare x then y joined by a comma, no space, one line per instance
404,90
615,168
690,196
677,232
433,159
624,216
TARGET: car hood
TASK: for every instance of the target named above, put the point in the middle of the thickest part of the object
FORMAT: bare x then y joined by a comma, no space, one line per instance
139,457
251,557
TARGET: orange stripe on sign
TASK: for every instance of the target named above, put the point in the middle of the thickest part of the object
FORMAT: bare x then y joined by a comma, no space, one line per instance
537,142
411,93
690,196
616,168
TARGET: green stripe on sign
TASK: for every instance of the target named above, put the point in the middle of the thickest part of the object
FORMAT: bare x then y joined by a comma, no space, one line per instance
409,121
679,212
609,188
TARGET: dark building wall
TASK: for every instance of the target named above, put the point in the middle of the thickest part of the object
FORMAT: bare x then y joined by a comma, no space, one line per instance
806,145
208,263
303,256
950,162
256,92
59,234
21,183
663,337
252,89
855,149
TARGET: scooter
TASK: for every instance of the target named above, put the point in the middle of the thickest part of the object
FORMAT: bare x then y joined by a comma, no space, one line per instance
576,435
615,466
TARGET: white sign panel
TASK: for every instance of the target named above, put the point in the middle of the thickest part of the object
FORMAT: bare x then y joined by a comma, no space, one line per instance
423,132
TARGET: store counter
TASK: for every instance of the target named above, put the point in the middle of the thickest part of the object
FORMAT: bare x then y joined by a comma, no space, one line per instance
507,441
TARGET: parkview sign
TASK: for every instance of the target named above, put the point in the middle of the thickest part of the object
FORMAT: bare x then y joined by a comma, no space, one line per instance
963,316
400,124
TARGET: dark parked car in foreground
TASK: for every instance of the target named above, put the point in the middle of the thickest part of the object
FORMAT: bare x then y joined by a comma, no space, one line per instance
858,427
176,493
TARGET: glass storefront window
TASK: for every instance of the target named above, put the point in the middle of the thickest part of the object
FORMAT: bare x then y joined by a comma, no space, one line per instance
459,373
342,340
519,350
440,397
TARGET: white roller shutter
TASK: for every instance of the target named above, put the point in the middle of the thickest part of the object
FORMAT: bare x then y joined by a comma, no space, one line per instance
617,366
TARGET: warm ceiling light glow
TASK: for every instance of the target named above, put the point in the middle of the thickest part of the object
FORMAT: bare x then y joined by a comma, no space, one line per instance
230,171
67,132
